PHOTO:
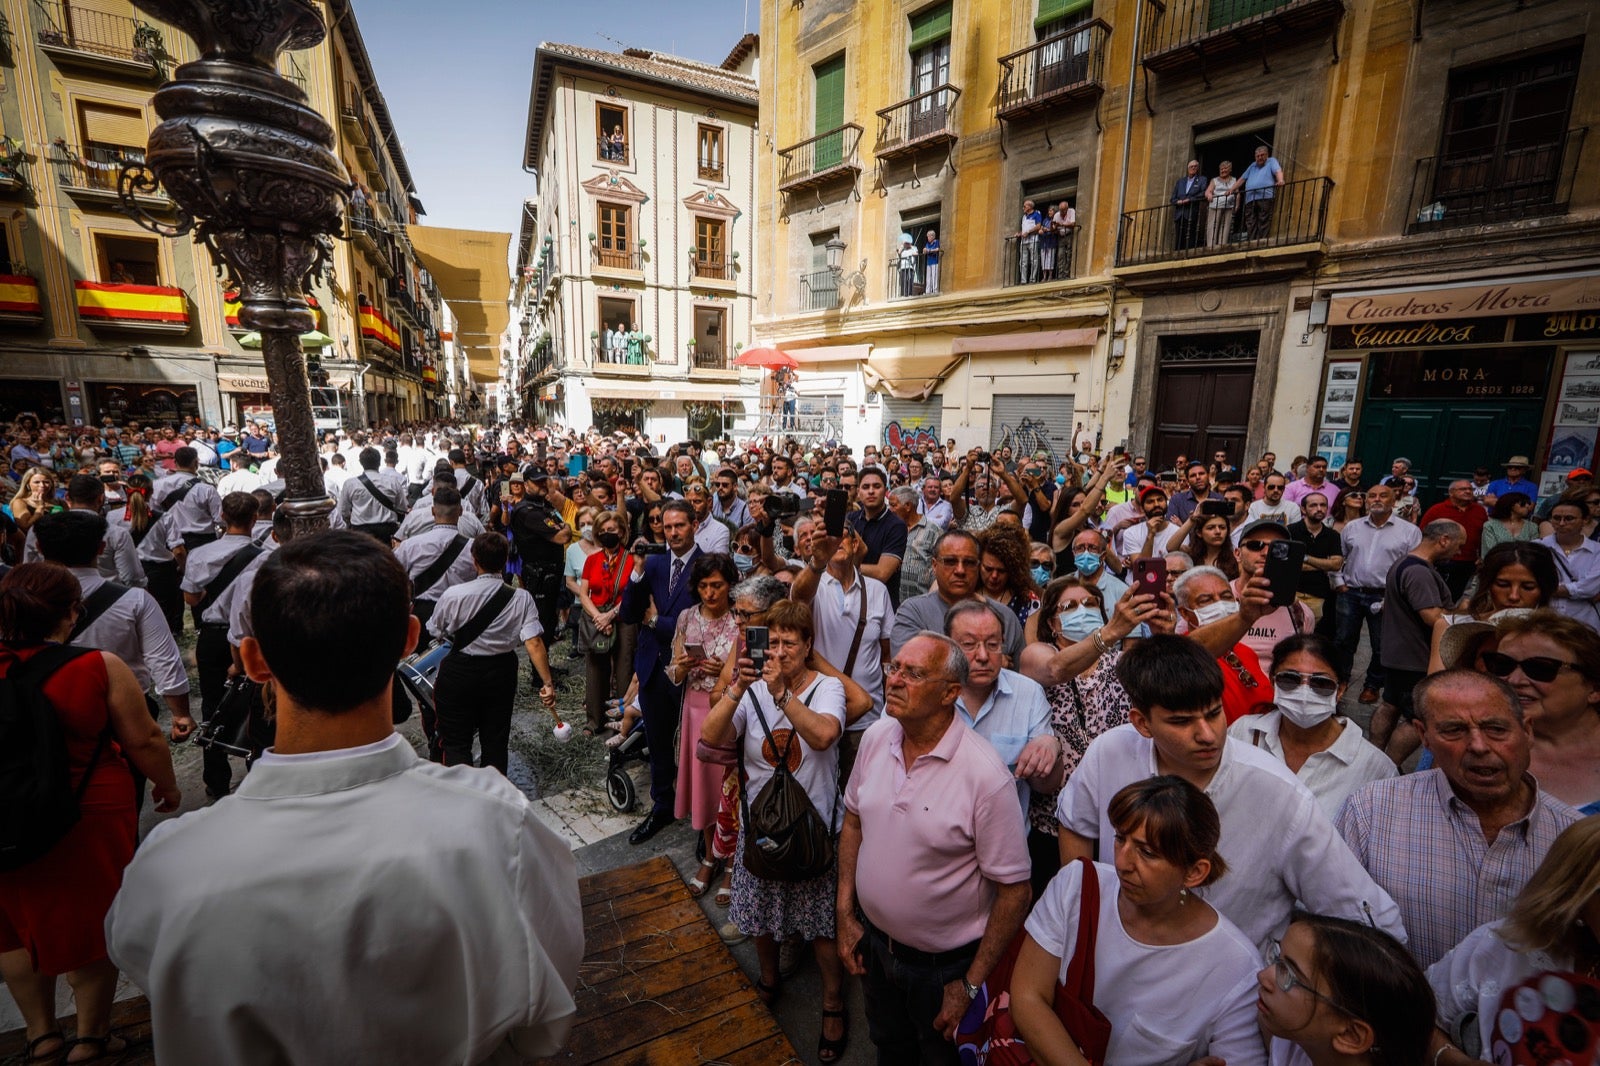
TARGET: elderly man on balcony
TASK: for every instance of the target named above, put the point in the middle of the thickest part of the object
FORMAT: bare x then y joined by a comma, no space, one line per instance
1187,194
1261,180
1028,243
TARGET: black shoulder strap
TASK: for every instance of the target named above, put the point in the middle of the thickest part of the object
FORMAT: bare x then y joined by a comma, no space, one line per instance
171,500
485,616
95,605
260,539
466,489
377,494
439,567
225,577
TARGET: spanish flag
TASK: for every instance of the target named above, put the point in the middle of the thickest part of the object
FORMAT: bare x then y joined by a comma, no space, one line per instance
19,295
230,311
375,327
146,305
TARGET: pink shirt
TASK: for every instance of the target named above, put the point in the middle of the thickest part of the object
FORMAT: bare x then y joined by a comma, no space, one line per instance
1299,490
934,840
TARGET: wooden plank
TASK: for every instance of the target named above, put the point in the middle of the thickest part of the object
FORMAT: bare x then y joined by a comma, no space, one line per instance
607,935
632,1022
775,1050
650,982
709,1041
627,879
652,898
601,966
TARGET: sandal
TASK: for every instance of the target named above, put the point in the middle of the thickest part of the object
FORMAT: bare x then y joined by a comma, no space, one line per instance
769,993
102,1044
829,1051
724,897
697,886
56,1055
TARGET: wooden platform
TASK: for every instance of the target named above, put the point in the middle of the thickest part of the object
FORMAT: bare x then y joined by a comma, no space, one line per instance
656,985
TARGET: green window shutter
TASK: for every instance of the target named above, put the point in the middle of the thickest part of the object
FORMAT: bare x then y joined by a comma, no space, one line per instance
830,94
1051,10
929,25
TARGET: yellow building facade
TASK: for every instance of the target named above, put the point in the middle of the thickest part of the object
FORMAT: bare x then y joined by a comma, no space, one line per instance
1431,147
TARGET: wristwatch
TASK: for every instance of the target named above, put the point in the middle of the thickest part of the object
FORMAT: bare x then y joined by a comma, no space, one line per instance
969,988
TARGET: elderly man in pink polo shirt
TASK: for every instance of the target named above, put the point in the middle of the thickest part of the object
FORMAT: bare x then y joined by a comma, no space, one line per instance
947,886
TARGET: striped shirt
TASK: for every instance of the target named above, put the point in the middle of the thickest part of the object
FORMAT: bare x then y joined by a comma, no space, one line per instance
1426,848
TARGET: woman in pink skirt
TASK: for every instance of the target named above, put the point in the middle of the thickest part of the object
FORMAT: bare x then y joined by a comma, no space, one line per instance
705,637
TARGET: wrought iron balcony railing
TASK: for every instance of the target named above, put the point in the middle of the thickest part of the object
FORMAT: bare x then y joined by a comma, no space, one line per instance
1184,33
708,356
1502,184
616,258
92,168
914,275
76,27
819,291
1298,214
1058,70
1048,258
924,120
710,169
711,265
818,160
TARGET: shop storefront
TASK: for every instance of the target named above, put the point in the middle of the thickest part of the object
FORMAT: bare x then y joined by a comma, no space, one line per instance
123,402
1461,377
40,397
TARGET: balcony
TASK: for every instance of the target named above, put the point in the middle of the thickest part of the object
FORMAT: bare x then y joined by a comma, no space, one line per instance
76,35
295,73
401,301
1182,33
914,276
630,260
1050,259
704,355
378,336
819,291
152,308
817,161
711,266
19,298
1299,215
353,116
1057,71
16,173
91,172
1501,185
710,169
368,234
627,357
916,124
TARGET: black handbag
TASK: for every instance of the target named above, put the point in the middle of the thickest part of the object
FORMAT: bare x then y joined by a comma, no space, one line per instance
785,839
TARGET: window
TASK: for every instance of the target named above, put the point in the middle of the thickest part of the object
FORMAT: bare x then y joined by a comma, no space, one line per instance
621,339
1234,141
109,136
710,153
930,69
709,259
127,260
611,131
12,260
915,268
819,288
829,107
709,335
1504,133
1065,61
1049,258
612,247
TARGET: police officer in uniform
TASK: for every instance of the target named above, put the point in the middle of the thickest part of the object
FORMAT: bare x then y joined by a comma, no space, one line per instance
477,681
210,571
542,539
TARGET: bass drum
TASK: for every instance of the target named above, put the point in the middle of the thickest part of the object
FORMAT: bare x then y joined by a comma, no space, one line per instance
418,672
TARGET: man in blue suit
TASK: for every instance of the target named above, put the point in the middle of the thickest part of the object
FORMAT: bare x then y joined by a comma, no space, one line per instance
661,580
1188,204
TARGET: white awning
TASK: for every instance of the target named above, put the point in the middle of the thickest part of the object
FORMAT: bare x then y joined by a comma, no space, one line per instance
834,353
1026,342
674,390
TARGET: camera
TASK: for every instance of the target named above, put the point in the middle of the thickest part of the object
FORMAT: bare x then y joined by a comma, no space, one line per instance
783,505
652,549
984,459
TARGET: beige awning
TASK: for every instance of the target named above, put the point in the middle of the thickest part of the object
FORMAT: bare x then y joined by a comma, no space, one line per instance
834,353
669,391
1027,342
908,377
470,268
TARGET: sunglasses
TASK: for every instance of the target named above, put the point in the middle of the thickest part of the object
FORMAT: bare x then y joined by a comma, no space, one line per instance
1539,668
1321,684
1254,545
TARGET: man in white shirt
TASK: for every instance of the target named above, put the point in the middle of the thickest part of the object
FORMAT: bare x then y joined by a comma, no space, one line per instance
933,507
1372,543
437,559
1273,505
420,519
195,506
334,473
473,962
1280,847
373,502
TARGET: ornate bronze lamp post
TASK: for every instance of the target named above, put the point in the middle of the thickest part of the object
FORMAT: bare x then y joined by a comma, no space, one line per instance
253,171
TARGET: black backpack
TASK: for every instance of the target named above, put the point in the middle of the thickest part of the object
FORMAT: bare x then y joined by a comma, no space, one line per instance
785,838
38,804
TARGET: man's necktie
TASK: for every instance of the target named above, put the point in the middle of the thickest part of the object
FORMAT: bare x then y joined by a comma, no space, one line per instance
677,572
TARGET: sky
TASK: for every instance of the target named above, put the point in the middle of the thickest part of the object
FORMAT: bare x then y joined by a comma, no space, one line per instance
456,77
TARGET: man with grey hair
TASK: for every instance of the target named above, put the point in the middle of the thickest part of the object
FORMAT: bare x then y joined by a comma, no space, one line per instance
1414,597
1002,706
1454,845
956,578
922,535
946,888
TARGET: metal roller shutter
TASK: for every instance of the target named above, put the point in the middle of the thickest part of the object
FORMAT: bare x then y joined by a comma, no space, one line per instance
911,425
1031,423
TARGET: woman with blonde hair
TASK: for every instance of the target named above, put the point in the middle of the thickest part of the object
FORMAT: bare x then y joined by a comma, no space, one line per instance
35,498
1549,931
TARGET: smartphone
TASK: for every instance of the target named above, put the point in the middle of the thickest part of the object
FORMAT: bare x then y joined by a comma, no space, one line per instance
833,515
695,651
1221,508
755,645
652,549
539,450
1149,576
627,467
1282,570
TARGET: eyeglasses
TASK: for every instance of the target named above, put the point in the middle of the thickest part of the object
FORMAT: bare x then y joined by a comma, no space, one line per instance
911,673
1254,545
1287,980
957,562
1321,684
746,615
1555,518
1539,668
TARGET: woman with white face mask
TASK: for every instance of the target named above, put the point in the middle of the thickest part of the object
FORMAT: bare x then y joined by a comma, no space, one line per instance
1325,751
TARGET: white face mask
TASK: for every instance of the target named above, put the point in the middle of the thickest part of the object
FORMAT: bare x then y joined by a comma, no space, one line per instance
1215,612
1305,708
587,532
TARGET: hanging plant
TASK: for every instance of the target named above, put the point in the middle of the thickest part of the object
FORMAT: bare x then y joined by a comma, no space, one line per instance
150,47
701,410
620,408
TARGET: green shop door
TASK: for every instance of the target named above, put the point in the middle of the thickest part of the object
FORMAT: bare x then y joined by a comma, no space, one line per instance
1485,405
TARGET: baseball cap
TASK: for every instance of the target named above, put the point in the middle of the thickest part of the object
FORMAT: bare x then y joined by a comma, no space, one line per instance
1580,472
1263,523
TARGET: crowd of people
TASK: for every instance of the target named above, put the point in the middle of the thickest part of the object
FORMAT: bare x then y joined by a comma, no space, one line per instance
952,719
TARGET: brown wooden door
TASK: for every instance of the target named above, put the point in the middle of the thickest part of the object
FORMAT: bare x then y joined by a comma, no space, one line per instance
1201,409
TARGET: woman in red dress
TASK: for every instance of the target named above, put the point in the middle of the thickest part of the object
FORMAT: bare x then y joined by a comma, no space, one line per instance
53,910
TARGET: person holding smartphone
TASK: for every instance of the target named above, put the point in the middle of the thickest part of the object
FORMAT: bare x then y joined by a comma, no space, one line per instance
1281,623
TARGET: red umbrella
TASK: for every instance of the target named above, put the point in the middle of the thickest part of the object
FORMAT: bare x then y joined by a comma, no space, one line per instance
771,358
